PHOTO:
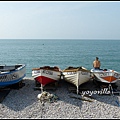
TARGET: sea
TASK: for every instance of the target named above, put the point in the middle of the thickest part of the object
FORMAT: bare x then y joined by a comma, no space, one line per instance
63,53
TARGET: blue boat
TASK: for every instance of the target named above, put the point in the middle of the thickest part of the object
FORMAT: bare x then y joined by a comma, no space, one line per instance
11,74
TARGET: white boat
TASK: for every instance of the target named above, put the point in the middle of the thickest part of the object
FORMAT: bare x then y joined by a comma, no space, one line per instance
76,75
45,75
11,74
105,75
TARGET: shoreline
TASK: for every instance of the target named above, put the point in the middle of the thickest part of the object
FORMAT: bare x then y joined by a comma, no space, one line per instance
23,103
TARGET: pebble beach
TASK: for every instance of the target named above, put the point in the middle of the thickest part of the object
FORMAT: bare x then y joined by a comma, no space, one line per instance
23,103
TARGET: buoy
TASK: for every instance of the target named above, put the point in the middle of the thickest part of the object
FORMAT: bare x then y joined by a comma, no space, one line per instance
39,96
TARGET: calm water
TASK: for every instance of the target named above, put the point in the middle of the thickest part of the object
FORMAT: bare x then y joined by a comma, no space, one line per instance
62,53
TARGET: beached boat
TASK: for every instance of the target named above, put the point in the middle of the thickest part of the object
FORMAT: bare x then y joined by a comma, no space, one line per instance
105,75
76,75
11,74
45,75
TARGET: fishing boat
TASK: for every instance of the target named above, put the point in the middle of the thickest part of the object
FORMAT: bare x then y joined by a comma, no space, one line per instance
76,75
106,78
105,75
11,74
46,74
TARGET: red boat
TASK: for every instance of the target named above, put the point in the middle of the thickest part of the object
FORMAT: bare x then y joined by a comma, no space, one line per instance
45,75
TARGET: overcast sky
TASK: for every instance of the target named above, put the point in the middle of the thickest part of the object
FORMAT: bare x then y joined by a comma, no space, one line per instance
59,20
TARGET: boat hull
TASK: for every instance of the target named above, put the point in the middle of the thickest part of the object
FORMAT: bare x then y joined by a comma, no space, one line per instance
106,76
76,76
12,76
45,77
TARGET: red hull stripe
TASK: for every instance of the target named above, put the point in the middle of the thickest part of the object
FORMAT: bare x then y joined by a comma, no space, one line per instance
44,80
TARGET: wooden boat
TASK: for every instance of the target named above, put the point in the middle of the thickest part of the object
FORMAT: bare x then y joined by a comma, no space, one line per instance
11,74
105,75
45,75
76,75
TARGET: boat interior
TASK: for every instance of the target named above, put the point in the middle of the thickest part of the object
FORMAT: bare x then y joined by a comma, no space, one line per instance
5,68
55,68
74,69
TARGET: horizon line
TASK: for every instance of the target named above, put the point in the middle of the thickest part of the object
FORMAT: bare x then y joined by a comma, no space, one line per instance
61,38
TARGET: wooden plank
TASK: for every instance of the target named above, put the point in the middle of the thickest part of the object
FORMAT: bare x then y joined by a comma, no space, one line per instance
50,86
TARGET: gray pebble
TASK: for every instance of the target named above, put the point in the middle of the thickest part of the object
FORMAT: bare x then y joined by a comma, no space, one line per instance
23,103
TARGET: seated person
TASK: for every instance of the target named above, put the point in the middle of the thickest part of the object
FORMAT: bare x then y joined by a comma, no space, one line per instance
96,63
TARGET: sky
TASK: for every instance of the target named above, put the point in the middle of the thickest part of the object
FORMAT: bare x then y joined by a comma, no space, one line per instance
59,20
